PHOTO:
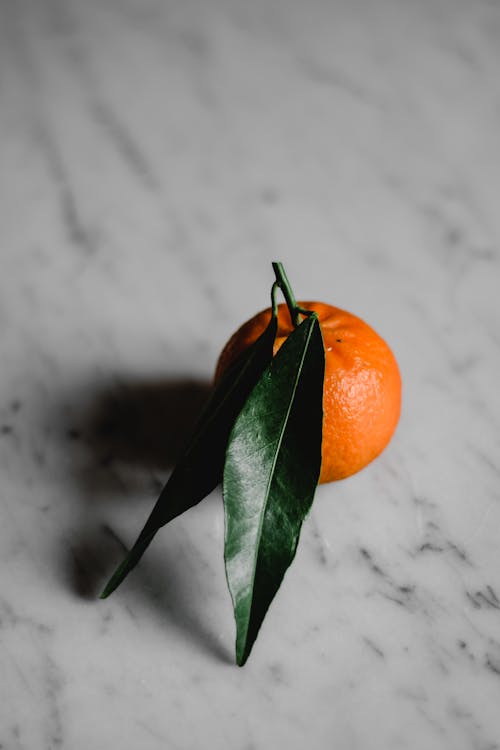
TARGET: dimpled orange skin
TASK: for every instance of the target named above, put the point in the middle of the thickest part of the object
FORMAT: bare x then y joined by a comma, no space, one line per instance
362,386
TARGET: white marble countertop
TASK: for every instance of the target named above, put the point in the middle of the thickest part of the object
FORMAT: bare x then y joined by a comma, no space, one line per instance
155,157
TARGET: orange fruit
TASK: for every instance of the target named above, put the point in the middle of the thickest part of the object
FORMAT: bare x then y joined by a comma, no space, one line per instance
362,385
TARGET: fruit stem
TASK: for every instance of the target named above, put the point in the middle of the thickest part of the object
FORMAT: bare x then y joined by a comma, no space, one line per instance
274,304
283,283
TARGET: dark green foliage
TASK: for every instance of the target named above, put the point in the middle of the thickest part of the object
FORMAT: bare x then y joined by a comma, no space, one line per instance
200,469
272,467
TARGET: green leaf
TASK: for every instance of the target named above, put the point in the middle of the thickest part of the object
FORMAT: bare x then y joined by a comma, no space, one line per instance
272,467
200,469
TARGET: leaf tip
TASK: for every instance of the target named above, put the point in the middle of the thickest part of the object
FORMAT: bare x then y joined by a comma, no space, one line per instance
107,590
112,584
241,659
243,649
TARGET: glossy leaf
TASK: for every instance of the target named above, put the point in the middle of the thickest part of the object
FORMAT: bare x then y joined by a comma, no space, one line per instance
272,467
200,469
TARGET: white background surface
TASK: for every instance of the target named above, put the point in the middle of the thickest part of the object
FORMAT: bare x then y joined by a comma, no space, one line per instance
155,157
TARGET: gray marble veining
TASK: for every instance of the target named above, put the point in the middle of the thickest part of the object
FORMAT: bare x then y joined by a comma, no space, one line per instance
155,157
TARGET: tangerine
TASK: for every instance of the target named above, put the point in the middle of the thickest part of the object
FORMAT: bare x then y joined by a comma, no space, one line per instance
362,384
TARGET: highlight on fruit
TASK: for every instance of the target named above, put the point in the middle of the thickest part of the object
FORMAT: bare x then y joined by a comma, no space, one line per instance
304,393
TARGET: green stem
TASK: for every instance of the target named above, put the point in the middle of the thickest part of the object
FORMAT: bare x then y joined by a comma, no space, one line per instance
283,283
274,304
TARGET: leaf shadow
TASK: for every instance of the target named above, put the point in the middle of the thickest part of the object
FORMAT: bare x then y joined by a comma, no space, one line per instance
134,431
168,584
122,438
181,598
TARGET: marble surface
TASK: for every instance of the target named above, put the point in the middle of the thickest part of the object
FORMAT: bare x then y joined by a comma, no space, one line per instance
155,157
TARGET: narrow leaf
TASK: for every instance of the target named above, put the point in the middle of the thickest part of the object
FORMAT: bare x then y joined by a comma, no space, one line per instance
200,469
272,467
